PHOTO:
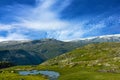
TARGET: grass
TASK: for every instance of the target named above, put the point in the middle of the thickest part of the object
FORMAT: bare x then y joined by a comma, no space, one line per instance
11,76
66,73
81,73
14,76
91,62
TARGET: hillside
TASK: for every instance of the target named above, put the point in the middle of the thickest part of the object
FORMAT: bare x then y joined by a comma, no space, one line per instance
91,62
32,52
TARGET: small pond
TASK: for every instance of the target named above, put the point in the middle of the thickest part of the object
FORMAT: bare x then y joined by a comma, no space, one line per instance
52,75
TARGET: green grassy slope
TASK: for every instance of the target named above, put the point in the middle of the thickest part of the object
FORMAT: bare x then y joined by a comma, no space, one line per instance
91,62
13,76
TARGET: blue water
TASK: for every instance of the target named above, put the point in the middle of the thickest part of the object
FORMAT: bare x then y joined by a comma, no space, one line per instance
52,75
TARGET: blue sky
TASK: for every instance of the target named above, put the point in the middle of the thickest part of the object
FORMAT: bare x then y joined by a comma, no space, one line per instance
62,20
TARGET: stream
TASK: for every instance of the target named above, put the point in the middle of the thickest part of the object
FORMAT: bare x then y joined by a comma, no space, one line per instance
52,75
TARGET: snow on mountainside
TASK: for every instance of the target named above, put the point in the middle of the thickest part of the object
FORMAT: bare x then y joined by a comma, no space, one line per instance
14,42
104,38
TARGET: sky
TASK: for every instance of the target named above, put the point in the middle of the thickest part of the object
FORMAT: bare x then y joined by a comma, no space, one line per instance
58,19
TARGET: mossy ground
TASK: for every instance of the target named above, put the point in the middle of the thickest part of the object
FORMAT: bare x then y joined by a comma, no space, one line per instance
66,73
91,62
12,74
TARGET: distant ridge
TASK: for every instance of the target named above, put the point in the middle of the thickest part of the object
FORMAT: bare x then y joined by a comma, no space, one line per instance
114,37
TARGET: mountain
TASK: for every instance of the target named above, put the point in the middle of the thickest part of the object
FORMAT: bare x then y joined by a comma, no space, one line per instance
98,39
32,52
91,62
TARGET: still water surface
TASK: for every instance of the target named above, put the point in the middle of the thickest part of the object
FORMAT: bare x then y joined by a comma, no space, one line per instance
52,75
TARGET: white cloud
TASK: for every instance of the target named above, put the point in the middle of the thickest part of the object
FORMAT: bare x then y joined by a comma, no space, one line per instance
5,27
64,5
13,36
42,17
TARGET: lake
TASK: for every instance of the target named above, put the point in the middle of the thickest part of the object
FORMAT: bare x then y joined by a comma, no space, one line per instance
52,75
